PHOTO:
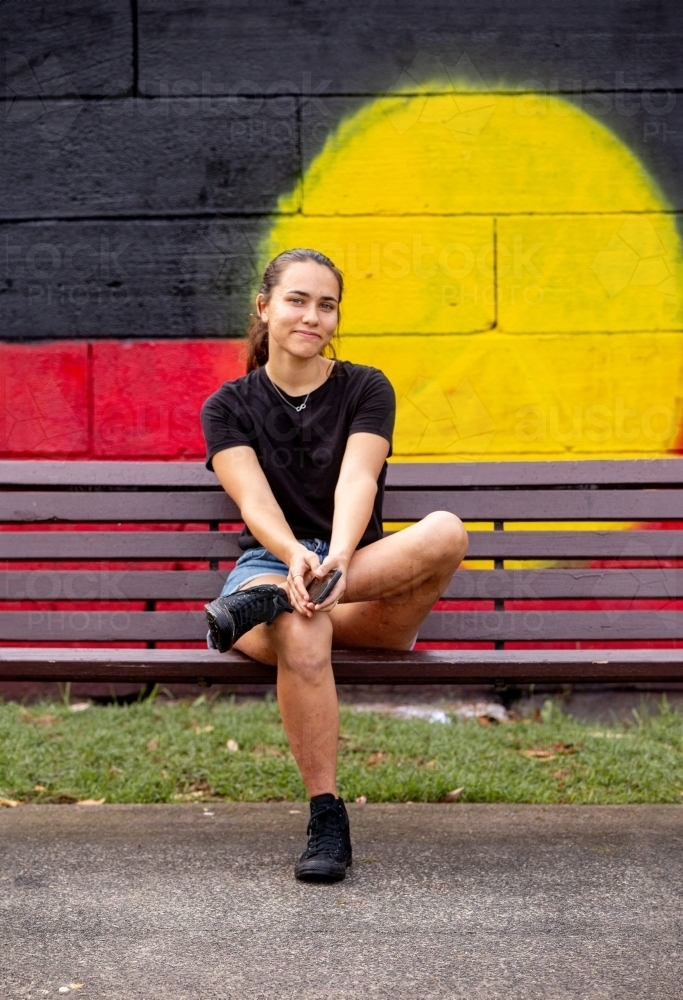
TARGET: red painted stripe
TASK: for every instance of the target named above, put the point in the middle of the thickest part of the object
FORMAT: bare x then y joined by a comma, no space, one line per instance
147,396
110,399
44,400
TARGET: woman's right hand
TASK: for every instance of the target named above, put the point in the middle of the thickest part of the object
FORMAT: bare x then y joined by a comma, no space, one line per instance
302,564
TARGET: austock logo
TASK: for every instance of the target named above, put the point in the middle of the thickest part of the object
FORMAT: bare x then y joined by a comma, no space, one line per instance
32,92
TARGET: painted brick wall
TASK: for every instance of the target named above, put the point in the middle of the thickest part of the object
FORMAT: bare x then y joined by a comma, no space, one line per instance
110,399
500,182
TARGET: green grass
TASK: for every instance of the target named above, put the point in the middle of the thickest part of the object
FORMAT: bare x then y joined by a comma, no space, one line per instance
158,751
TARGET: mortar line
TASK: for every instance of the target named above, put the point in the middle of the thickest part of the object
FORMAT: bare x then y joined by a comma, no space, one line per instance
222,213
340,95
135,46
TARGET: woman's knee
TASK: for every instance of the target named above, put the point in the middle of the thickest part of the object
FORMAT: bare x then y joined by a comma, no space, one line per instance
447,537
304,644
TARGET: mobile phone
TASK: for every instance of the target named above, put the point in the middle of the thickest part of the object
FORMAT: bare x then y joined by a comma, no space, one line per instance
320,589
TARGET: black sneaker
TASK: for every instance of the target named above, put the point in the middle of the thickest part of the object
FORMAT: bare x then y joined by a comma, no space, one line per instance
230,617
328,854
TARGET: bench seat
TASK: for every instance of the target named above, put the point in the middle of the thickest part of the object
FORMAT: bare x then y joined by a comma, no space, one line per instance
561,553
356,666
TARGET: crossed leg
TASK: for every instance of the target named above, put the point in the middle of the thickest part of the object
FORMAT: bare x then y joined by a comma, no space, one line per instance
392,585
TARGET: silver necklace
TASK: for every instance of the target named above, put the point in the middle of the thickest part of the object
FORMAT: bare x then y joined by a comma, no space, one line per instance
301,406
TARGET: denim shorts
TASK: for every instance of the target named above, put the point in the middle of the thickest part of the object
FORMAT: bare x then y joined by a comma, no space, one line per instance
260,562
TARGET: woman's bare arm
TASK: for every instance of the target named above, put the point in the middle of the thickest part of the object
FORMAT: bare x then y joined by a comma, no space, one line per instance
354,497
241,476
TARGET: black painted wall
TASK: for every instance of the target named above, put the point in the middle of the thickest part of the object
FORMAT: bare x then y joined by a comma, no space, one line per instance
144,145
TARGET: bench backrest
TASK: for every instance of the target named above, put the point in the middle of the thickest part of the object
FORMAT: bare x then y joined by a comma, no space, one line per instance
128,552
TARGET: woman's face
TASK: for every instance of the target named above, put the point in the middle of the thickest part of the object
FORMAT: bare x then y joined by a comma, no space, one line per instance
303,310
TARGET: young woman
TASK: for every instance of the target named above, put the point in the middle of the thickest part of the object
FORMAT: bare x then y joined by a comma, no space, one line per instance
300,443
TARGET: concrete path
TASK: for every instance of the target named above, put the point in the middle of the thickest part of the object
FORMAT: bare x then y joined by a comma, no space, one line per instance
452,901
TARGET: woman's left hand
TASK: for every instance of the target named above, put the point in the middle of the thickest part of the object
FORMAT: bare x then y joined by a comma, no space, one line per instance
329,565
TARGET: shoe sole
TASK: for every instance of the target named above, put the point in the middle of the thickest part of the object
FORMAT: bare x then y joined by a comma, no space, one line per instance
219,624
314,870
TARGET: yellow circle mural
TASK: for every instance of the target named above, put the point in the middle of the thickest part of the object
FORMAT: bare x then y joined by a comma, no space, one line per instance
510,265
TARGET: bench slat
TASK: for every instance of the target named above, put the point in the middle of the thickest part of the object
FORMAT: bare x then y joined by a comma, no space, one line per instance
417,475
575,545
578,584
223,545
117,506
408,505
110,585
551,626
195,585
538,505
355,666
119,545
603,472
445,626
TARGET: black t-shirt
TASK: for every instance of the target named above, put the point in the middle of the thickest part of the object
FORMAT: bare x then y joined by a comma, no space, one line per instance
301,452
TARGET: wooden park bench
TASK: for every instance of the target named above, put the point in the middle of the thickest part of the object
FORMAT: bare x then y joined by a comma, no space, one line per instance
150,542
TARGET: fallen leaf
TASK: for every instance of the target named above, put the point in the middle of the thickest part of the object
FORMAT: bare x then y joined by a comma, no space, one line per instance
362,799
76,986
9,803
192,796
539,754
79,706
559,774
454,795
266,750
38,720
376,758
91,802
153,745
202,729
565,748
199,787
483,720
292,812
113,770
233,746
39,788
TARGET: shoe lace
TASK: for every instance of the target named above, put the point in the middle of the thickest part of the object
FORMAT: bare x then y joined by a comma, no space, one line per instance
325,830
244,605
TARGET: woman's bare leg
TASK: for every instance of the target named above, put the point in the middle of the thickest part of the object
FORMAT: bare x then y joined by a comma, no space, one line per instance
306,691
392,585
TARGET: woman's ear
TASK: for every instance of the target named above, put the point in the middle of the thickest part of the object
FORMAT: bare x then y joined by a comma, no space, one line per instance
261,308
